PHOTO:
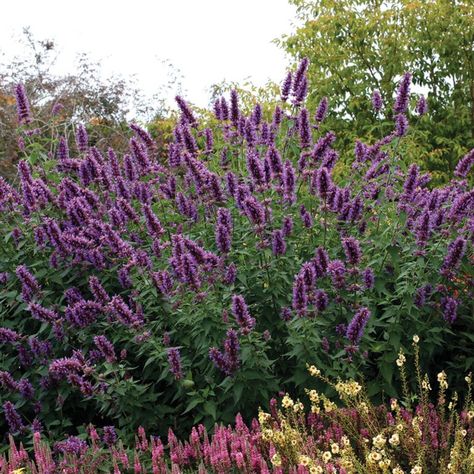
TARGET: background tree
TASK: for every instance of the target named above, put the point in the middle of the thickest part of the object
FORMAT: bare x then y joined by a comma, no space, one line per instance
104,104
358,46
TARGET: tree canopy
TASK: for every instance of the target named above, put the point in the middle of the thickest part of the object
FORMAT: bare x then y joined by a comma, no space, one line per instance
358,46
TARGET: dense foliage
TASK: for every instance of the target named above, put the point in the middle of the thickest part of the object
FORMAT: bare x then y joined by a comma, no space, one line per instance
400,437
163,293
357,46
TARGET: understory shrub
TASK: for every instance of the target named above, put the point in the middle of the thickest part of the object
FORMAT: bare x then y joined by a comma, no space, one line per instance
165,293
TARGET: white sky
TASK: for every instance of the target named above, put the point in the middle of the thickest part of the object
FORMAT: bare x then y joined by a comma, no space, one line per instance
207,40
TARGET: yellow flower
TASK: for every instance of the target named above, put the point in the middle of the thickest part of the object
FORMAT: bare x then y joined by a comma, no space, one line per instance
316,470
334,448
379,441
416,470
287,402
276,460
397,470
345,441
394,439
313,396
18,471
263,417
327,456
442,379
374,456
304,460
329,406
425,385
416,339
298,407
393,404
401,359
314,371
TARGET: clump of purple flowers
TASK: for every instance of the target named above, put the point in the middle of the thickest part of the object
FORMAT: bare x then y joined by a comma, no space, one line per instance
143,256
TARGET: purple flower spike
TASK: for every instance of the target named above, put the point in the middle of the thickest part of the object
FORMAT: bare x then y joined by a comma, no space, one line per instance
321,300
228,361
82,140
377,101
412,181
300,298
322,181
401,125
234,107
98,290
422,106
174,360
304,129
241,313
185,110
106,348
322,110
449,308
456,251
73,445
109,436
286,87
300,75
352,250
369,278
30,286
230,274
15,423
337,271
464,165
63,150
223,238
289,183
287,226
355,329
278,243
401,102
22,104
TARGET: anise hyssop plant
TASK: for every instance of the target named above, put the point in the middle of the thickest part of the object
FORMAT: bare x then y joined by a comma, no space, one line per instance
166,291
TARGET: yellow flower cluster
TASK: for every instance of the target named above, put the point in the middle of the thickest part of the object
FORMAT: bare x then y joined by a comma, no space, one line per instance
401,359
383,446
314,371
349,389
288,437
394,439
380,459
442,379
